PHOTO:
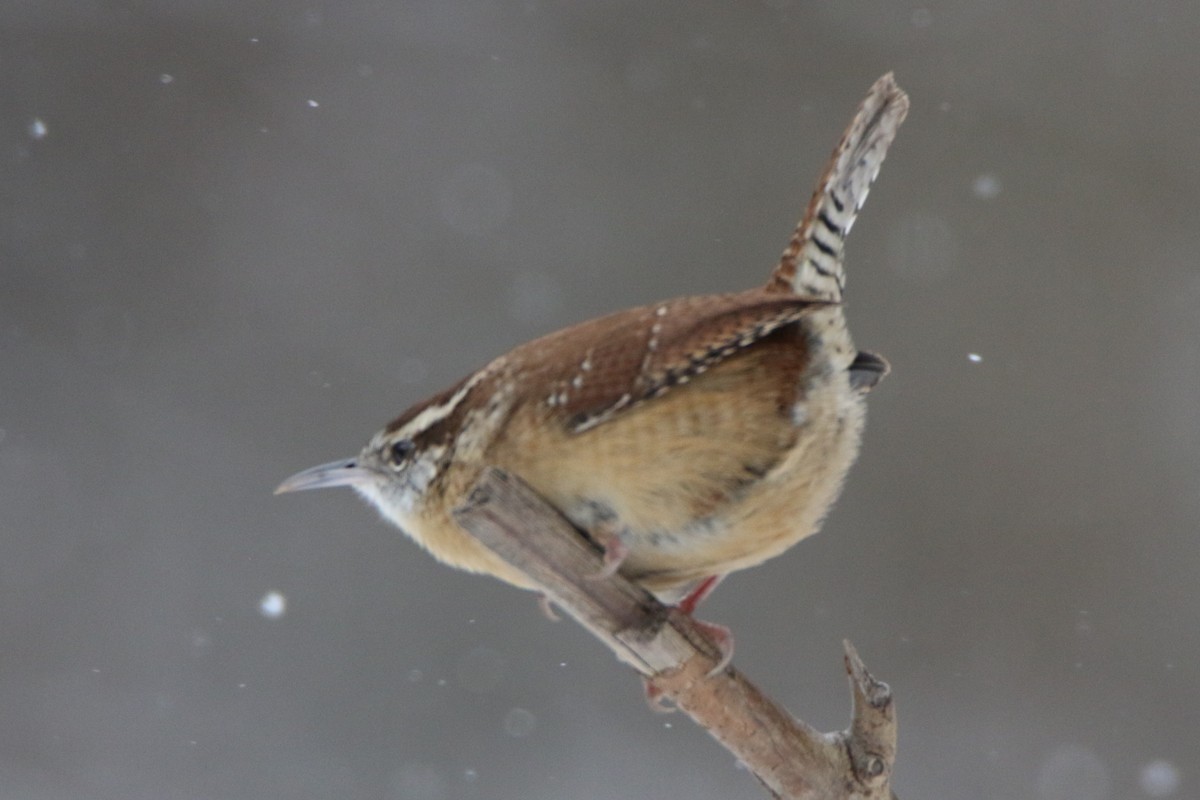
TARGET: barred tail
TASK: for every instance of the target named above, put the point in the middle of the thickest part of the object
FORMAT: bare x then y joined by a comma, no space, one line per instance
812,263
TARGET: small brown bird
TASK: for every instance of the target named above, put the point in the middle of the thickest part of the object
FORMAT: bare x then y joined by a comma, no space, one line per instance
689,438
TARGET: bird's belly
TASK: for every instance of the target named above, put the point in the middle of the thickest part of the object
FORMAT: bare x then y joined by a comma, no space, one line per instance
713,504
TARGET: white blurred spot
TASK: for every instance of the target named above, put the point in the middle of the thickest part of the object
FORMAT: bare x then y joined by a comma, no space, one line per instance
1073,772
519,723
470,775
253,40
475,200
37,129
974,358
417,782
166,78
201,641
986,186
481,670
415,676
316,378
365,70
273,605
922,18
1159,778
313,104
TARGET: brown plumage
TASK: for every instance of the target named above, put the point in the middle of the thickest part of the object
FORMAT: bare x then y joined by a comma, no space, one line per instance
692,437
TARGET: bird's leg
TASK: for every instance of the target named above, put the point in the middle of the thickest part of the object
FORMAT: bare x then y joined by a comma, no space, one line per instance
722,637
699,594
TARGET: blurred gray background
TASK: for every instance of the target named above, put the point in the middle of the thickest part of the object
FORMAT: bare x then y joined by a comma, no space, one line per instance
239,236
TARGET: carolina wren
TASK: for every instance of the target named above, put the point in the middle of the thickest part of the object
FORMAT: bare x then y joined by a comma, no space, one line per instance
690,438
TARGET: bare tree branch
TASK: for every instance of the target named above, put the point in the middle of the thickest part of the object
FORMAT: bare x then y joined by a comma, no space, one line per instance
792,760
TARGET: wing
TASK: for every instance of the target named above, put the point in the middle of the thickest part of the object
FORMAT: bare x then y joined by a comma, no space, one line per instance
598,369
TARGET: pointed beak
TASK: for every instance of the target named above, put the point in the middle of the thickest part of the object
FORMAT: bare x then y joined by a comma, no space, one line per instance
346,472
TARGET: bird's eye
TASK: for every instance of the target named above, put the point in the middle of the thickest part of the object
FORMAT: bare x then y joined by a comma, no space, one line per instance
401,450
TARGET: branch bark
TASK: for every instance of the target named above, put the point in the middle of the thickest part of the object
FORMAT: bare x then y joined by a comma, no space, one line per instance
791,760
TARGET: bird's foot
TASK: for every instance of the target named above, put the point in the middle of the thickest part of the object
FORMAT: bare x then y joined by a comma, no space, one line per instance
546,606
654,697
721,636
615,552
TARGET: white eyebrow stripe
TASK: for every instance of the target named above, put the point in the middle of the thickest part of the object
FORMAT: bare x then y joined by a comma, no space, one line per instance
434,414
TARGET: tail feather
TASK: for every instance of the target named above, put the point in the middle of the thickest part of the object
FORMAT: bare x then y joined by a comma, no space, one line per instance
811,264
